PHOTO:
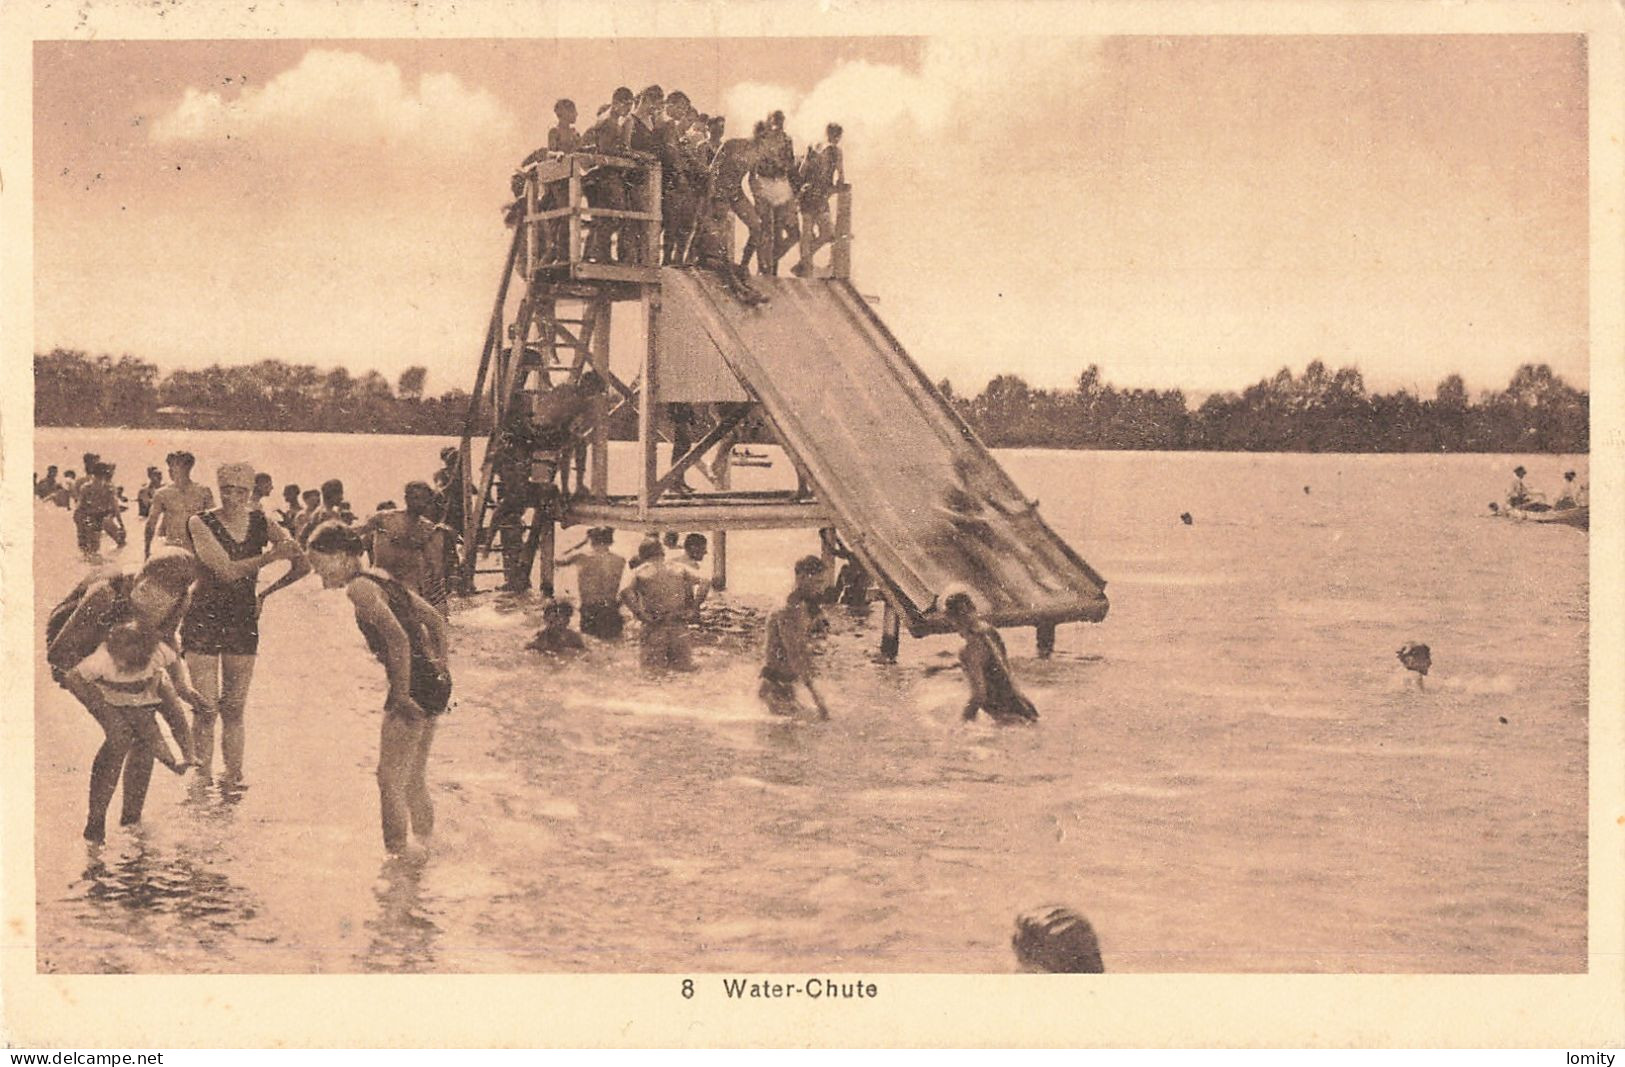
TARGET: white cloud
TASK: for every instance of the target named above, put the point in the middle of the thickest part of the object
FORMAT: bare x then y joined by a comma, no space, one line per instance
959,80
335,99
955,165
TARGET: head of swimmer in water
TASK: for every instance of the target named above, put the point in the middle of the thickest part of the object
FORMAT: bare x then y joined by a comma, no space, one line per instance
959,609
335,553
180,466
1056,940
419,498
809,571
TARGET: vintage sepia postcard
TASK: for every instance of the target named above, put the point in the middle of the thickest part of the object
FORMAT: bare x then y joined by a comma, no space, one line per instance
1032,523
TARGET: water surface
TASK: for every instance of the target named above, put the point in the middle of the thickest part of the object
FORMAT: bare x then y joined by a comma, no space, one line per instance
1229,775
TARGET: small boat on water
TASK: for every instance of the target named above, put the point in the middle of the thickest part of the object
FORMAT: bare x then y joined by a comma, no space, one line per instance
744,457
1578,517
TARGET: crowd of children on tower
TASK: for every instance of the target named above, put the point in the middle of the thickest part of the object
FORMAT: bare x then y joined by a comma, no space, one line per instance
706,180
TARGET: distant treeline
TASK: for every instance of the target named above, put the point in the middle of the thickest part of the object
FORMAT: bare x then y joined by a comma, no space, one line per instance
75,389
1317,411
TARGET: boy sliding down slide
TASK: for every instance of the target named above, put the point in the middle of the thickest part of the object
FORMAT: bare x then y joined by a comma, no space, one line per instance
131,673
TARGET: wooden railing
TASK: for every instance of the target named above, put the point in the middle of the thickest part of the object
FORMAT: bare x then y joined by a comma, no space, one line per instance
561,229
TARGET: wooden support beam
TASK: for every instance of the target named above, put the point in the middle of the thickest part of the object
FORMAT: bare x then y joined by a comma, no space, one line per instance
615,272
719,540
573,254
651,208
645,215
840,248
647,459
514,362
699,513
585,341
493,339
891,632
549,344
692,456
629,394
533,230
598,317
539,544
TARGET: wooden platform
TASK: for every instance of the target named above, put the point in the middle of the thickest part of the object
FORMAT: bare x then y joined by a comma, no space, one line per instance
708,511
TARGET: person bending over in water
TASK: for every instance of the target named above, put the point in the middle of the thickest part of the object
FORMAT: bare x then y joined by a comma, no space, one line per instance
789,658
408,636
555,638
130,675
155,597
986,664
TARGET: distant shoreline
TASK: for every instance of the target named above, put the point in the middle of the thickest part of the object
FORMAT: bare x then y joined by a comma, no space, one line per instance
1319,410
1039,447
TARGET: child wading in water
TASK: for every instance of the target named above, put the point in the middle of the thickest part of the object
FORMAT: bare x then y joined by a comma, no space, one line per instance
788,658
555,638
131,673
987,666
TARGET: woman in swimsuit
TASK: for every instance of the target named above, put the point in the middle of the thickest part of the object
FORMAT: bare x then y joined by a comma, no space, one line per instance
986,664
408,636
155,597
221,634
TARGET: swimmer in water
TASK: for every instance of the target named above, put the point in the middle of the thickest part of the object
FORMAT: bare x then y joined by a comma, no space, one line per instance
789,655
1055,940
658,596
555,638
987,665
598,580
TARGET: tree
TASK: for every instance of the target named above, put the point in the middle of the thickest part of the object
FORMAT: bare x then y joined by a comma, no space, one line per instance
412,381
1451,394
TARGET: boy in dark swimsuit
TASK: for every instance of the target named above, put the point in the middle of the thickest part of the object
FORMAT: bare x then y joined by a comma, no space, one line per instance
788,657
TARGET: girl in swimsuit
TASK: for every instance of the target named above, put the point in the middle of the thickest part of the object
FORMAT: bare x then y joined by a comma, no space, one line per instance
408,636
221,634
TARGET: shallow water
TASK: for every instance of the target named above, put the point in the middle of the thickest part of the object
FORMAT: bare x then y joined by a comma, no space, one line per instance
1230,774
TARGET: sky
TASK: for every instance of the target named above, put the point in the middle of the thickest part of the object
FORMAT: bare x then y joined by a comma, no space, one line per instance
1184,212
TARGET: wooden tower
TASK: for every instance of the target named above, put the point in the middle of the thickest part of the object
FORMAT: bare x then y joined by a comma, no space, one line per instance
556,331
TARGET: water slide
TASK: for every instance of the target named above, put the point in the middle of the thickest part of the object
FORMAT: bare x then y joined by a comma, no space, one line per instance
918,498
